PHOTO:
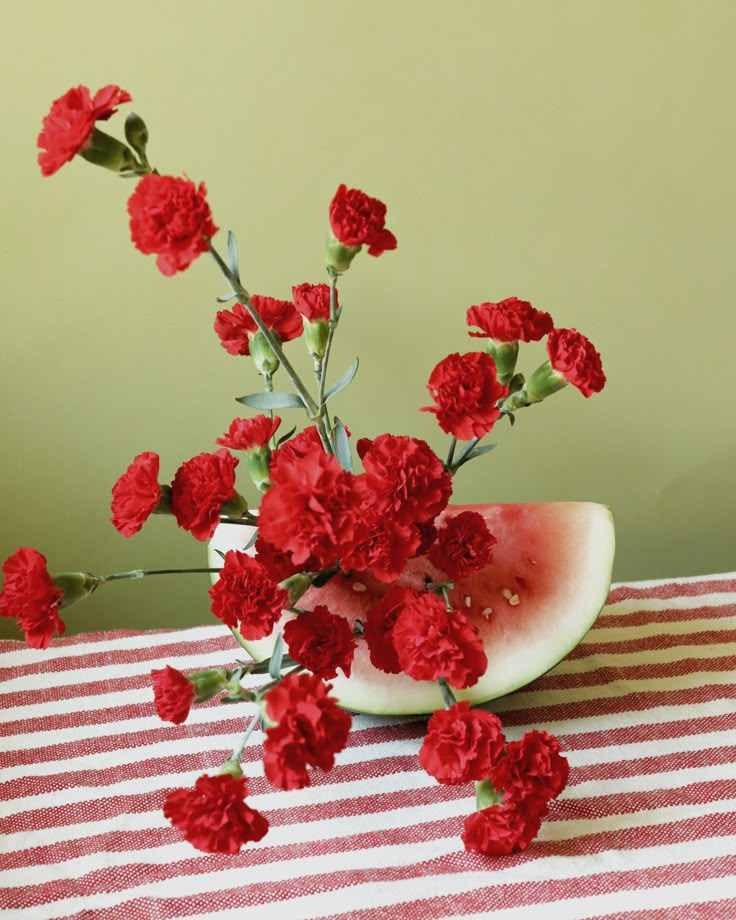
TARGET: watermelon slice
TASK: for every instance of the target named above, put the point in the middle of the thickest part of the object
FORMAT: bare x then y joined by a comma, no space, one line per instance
548,581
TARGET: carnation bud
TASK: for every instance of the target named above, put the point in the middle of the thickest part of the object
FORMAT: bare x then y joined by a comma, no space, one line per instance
103,150
338,256
486,795
505,355
76,586
256,462
232,767
543,382
265,360
296,585
207,684
315,335
136,133
235,508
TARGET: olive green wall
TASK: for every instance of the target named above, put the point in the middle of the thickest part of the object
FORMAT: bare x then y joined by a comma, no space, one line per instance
576,153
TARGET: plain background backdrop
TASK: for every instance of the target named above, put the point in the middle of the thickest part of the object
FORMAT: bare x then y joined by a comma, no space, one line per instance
575,153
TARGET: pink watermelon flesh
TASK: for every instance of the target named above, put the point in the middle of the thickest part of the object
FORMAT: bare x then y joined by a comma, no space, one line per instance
549,579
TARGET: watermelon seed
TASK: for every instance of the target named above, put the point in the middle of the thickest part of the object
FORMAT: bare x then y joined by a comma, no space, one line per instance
514,600
487,612
468,602
507,593
359,586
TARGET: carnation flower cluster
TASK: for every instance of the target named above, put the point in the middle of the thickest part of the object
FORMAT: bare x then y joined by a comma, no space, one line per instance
320,520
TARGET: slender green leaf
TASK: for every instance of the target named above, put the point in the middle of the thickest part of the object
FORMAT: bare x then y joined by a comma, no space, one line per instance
285,437
223,298
271,401
479,451
343,381
274,667
232,254
342,446
251,542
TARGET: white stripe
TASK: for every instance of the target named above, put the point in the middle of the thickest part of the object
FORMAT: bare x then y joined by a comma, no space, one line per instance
613,690
111,672
377,894
23,655
686,602
646,657
626,633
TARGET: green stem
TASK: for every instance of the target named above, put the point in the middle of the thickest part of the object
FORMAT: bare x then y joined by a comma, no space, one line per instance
141,573
451,452
448,697
238,751
464,454
262,691
275,345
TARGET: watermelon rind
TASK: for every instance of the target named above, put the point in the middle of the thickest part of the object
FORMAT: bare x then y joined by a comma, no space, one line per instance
536,601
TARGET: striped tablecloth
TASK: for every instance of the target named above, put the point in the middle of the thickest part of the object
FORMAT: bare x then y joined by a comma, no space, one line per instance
645,709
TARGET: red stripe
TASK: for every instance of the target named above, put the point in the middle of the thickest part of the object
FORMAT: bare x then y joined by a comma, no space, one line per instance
606,675
255,893
673,589
723,637
377,734
641,701
106,658
656,731
610,619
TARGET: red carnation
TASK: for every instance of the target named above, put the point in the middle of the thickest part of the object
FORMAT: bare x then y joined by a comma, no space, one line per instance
358,220
171,218
250,433
69,124
378,628
136,494
466,391
245,596
213,816
501,829
200,488
462,744
303,444
464,545
276,562
509,320
573,356
310,729
313,509
321,641
407,475
173,694
386,544
533,769
313,301
30,596
432,642
237,327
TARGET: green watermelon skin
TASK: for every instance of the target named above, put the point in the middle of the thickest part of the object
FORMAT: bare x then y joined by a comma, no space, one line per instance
544,589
